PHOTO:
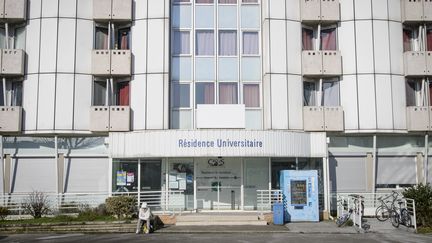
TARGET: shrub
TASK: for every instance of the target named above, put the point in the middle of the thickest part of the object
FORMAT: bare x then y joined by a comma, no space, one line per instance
4,212
422,195
121,206
36,204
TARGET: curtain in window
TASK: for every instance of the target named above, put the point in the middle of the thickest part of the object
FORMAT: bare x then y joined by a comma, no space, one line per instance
309,94
99,93
204,43
20,34
228,1
330,93
181,43
429,40
227,43
204,1
250,1
181,1
251,95
16,94
410,87
430,94
123,39
2,38
250,43
204,93
181,94
307,39
1,95
123,93
328,39
101,41
228,93
407,40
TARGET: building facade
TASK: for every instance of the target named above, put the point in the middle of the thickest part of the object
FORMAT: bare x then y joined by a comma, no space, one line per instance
212,98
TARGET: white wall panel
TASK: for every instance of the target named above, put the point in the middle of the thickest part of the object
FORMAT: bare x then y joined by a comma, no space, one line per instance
86,175
277,46
294,47
363,9
48,50
45,116
85,9
347,47
277,9
50,8
394,9
295,102
266,84
366,93
166,53
156,45
293,9
1,176
83,95
381,46
33,174
399,102
138,101
64,101
34,8
30,101
279,101
67,8
84,46
266,46
32,45
66,46
348,93
396,48
384,102
139,46
379,9
364,47
346,9
155,101
140,9
156,8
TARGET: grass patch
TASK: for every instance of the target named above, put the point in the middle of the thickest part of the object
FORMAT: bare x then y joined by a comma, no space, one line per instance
424,230
59,219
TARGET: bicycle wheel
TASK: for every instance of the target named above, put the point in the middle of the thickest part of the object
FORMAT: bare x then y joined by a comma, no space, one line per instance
342,220
394,217
382,213
405,217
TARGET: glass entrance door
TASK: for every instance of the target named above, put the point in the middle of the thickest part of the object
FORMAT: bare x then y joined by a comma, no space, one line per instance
218,183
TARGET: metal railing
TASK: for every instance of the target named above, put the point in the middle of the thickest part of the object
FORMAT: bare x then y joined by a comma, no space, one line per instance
266,198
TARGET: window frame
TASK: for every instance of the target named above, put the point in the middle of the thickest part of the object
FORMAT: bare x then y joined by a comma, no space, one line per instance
190,43
195,41
242,43
318,92
113,33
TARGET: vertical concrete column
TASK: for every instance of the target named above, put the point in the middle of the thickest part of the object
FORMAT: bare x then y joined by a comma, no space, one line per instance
7,173
370,172
60,173
420,169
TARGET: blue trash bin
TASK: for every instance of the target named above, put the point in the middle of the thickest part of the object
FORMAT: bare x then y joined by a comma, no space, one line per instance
278,214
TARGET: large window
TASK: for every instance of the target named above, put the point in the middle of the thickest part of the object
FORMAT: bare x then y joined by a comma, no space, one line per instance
108,92
228,1
228,93
319,38
204,1
321,93
204,43
416,92
227,43
15,39
204,93
250,43
112,37
180,95
251,95
11,93
181,42
417,38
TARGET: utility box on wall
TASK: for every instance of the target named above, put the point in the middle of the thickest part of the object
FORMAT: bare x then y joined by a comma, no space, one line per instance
300,192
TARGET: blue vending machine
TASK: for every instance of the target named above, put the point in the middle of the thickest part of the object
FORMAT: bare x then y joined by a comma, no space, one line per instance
300,192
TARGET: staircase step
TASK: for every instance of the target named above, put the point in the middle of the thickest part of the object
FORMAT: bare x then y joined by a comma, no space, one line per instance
188,218
209,223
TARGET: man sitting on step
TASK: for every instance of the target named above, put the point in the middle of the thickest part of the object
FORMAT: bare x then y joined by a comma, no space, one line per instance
144,216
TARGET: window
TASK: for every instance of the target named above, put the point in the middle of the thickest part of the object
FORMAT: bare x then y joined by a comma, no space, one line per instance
227,43
250,43
321,93
327,38
249,1
251,95
181,42
228,1
416,92
429,39
15,38
108,92
112,37
204,43
181,1
11,93
228,93
180,95
204,1
307,39
204,93
417,38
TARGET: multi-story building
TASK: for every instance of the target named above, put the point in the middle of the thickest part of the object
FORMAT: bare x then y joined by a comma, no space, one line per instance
212,98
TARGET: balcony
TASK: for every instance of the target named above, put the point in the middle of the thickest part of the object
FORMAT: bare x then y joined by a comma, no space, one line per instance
318,118
418,118
221,116
322,63
109,118
415,63
111,63
112,10
13,10
10,118
12,62
320,10
416,10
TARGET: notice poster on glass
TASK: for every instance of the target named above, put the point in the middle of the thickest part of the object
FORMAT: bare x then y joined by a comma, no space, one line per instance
173,185
121,178
130,178
182,184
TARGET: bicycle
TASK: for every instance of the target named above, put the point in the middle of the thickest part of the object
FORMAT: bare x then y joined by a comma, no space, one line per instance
382,213
359,210
343,219
400,215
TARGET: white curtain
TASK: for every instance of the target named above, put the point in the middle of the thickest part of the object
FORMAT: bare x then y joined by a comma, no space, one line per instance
251,95
309,94
204,93
204,1
101,41
204,43
227,43
181,42
99,93
250,1
228,93
250,43
228,1
331,93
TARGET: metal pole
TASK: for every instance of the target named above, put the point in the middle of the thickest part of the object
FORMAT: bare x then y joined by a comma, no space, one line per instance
426,160
4,92
7,35
326,178
56,161
2,162
242,186
374,162
139,182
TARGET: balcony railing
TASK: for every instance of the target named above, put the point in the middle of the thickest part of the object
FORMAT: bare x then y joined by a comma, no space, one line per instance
10,118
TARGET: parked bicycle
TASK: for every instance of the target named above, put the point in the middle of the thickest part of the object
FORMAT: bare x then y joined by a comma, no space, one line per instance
383,211
358,210
343,219
400,215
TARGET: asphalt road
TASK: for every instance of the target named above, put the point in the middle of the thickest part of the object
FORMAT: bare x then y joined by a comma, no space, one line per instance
225,238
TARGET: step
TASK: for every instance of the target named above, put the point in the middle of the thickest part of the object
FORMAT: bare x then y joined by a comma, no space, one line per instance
209,223
198,217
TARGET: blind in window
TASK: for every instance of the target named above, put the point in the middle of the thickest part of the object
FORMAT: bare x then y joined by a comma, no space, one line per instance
396,170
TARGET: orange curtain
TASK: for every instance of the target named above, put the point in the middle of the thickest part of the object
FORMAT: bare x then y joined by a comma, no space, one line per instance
123,91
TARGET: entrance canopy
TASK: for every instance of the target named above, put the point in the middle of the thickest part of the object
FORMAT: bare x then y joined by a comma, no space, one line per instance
210,143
